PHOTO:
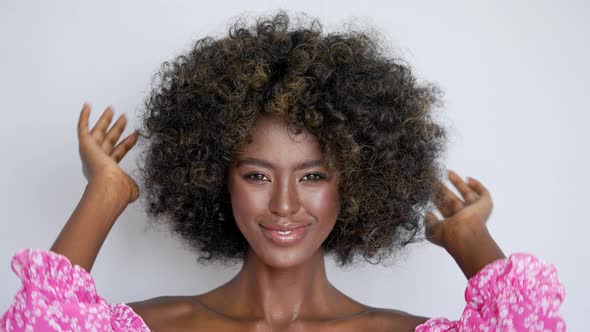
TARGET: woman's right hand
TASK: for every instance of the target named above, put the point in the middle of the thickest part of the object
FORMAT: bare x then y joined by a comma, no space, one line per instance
100,156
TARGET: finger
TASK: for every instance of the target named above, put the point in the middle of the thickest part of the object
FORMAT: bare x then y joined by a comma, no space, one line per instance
122,148
469,196
114,134
448,203
83,121
479,189
102,124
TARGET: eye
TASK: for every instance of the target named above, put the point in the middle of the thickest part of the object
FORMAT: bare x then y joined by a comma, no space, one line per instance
314,177
255,177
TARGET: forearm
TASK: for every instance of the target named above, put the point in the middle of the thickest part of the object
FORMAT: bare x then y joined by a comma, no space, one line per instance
473,250
85,231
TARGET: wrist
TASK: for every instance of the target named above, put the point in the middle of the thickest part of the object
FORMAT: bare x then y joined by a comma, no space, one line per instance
473,249
466,239
111,187
88,226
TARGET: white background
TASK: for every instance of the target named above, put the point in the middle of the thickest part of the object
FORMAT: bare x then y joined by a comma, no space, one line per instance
515,76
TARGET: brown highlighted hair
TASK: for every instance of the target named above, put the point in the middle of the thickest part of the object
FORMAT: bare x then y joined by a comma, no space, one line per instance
371,116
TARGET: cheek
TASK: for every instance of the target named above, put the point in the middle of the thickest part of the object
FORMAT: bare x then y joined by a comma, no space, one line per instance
324,204
246,204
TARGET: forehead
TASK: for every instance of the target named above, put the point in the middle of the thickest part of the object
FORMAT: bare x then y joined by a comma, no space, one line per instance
271,140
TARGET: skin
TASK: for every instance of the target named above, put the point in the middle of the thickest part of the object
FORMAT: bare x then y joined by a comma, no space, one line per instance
282,283
279,288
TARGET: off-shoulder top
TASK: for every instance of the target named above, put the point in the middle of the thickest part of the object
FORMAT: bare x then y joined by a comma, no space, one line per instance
518,293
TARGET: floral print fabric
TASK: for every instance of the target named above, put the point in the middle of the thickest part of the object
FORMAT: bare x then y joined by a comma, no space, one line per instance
519,293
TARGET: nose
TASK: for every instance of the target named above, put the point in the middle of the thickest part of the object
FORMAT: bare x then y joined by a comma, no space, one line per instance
285,198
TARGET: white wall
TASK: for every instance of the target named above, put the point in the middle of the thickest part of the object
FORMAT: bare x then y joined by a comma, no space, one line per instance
516,99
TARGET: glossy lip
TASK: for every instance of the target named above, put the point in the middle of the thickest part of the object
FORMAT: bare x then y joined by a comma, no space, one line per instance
298,232
284,227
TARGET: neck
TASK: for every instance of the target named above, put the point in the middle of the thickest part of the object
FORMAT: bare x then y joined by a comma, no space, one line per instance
281,295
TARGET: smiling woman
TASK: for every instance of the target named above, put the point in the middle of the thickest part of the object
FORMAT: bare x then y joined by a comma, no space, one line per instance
288,212
274,147
368,118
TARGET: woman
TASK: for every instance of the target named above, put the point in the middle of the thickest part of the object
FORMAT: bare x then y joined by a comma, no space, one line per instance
275,147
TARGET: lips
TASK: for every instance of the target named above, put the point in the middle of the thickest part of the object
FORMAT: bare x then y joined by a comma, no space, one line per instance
285,234
283,227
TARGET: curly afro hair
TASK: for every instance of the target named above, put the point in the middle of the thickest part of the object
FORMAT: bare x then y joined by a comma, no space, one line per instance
373,121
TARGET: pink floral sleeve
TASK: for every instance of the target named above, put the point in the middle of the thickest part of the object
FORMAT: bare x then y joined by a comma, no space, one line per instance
519,293
56,296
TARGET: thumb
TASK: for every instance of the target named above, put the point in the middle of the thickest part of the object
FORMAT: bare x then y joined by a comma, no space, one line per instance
433,229
133,191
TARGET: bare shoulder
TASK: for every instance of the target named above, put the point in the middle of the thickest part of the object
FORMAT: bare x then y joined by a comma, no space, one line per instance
383,319
158,310
169,313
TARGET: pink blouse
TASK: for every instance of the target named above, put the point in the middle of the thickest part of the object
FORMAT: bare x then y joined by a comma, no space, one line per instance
519,293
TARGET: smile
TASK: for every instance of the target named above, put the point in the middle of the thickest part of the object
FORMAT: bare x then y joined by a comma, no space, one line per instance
285,237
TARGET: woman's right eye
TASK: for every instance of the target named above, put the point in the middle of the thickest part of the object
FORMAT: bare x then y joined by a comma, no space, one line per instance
256,177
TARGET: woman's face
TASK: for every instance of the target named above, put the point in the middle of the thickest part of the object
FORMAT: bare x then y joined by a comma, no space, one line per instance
284,201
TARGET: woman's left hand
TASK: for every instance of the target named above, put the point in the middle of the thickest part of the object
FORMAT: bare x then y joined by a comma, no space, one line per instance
462,216
463,231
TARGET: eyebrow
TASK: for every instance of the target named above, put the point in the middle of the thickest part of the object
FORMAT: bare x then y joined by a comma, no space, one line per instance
263,163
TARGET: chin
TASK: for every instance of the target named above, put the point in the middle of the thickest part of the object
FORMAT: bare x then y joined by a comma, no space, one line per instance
284,259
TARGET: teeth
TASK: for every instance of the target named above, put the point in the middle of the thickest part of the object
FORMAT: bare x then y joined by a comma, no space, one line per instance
284,232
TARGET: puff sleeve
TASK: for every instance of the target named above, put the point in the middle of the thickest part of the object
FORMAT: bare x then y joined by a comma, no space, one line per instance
56,296
518,293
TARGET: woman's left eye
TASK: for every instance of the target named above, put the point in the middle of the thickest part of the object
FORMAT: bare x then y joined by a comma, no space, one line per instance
314,177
